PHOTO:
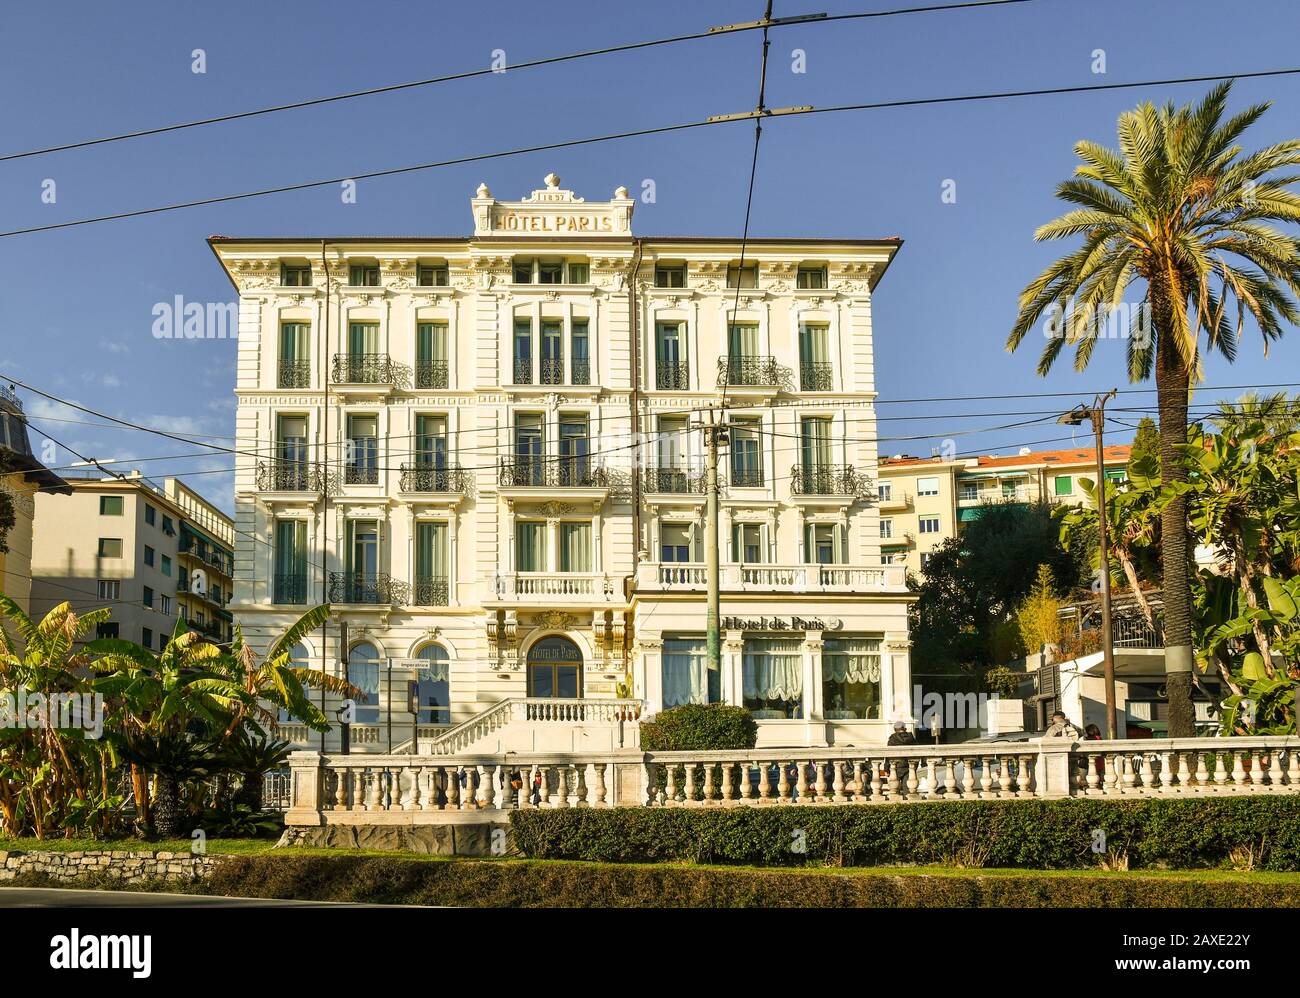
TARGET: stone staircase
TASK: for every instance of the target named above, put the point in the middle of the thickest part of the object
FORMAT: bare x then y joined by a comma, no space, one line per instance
535,724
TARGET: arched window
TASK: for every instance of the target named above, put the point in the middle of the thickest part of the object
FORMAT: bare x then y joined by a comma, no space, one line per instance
434,689
363,673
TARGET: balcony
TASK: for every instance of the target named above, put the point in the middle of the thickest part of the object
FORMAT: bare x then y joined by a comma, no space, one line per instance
580,372
431,374
360,474
749,372
746,478
363,369
523,372
903,540
432,590
552,371
294,374
672,481
290,589
436,480
550,473
673,377
847,579
829,480
894,499
554,587
293,476
817,376
367,588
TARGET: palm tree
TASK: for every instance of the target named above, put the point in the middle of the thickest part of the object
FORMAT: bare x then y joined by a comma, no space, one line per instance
1277,414
1180,209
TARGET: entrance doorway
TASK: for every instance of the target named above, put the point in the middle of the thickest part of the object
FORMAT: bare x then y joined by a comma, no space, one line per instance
555,669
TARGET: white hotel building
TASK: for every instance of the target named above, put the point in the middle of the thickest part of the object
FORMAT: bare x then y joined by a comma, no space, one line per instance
484,453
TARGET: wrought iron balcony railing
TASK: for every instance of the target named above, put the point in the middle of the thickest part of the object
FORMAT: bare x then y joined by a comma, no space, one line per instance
363,369
9,393
580,372
432,590
431,374
419,479
367,587
749,372
552,372
294,374
564,473
817,376
523,372
290,589
293,476
360,474
672,481
747,478
673,377
828,480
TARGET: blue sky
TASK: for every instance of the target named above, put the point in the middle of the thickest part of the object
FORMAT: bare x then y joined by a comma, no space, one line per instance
77,303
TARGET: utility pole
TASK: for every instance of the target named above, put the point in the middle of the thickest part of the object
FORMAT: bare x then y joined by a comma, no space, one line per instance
1096,415
715,433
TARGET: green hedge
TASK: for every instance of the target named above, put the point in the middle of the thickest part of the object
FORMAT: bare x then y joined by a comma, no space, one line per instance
698,727
505,883
1258,832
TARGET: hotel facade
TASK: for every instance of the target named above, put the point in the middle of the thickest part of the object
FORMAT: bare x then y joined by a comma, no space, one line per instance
484,452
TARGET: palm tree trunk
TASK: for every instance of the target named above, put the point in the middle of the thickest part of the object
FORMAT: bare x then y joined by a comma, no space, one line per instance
1173,381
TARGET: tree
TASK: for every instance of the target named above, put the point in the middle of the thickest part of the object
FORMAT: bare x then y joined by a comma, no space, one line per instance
1146,443
1277,414
974,582
1038,617
1181,210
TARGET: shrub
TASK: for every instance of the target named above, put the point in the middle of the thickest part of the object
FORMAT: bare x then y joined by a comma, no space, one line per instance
1037,834
1003,681
699,726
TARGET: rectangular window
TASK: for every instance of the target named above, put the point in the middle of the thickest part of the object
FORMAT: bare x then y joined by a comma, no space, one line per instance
773,677
670,276
579,273
363,275
579,353
1064,485
550,272
431,443
108,629
742,277
109,588
927,486
671,371
148,555
687,677
167,527
530,538
431,367
851,678
148,596
675,542
815,371
431,564
290,583
815,447
884,491
747,543
928,525
523,271
529,468
166,565
746,452
363,556
822,544
431,275
166,602
886,528
552,345
295,275
671,448
110,505
925,560
811,278
363,450
574,465
110,547
295,364
575,547
523,352
150,515
146,637
363,341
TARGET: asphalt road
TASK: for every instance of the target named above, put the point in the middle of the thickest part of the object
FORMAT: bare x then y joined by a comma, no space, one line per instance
55,897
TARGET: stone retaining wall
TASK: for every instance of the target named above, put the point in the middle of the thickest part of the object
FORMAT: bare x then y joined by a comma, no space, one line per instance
124,866
464,838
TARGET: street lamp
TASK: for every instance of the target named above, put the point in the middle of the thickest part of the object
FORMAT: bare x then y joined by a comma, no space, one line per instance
1096,415
345,728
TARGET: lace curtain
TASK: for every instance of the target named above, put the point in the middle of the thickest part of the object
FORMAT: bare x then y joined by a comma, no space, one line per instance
852,660
773,669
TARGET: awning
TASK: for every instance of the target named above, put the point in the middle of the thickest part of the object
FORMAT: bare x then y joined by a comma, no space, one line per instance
969,513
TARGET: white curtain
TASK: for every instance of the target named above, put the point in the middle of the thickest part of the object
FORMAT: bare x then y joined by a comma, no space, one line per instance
773,669
852,660
686,673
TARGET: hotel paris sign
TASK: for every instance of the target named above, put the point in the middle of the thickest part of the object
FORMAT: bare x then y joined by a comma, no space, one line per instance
552,211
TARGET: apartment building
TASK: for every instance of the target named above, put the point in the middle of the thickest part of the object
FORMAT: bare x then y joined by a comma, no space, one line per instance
126,544
925,501
484,452
22,477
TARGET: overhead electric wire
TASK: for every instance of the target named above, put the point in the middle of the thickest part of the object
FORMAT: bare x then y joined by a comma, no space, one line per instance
716,32
637,133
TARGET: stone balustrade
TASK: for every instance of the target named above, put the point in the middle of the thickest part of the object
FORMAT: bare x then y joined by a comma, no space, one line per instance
406,789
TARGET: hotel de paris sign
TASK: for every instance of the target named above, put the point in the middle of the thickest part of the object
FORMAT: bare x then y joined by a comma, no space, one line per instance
552,211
